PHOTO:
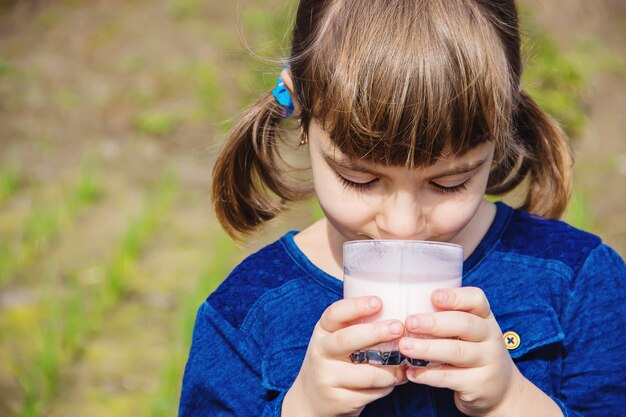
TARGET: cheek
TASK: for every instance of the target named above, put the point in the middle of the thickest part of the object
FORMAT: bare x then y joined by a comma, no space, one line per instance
452,216
341,206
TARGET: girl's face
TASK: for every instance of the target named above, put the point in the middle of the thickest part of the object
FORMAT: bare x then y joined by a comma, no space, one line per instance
363,200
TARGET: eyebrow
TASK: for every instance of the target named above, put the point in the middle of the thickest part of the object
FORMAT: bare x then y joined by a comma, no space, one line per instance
347,164
457,170
461,169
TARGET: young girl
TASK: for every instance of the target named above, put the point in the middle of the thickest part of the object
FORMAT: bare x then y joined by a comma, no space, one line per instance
411,111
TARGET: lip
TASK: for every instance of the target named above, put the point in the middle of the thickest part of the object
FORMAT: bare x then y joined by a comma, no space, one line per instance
368,237
365,236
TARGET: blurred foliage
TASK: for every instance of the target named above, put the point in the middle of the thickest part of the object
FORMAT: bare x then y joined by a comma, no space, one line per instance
155,123
45,222
268,41
5,68
558,79
557,83
184,9
208,91
577,213
10,180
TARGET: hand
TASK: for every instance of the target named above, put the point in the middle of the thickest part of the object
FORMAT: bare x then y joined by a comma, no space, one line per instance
329,384
469,342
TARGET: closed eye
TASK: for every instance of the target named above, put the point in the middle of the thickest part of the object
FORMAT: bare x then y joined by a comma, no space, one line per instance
359,186
451,189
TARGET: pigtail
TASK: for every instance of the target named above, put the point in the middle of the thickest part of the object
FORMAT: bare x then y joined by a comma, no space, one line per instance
248,186
543,156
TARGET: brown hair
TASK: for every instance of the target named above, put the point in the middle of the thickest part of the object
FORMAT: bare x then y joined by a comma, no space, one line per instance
400,82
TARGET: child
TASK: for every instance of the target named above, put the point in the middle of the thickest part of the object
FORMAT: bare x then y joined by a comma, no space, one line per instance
411,111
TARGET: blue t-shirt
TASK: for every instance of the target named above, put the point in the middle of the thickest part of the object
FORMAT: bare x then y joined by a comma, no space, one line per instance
560,289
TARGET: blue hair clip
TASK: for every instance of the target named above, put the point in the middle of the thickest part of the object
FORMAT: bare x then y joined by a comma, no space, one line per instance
283,97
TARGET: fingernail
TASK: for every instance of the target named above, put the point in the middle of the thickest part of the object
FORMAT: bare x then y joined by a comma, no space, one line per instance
395,328
414,323
372,303
441,296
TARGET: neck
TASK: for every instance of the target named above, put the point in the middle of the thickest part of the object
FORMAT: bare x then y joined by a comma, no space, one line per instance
472,234
323,245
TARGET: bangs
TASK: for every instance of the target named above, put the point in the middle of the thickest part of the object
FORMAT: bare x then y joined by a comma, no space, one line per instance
406,82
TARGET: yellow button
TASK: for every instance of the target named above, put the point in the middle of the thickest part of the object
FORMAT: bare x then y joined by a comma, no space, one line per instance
511,340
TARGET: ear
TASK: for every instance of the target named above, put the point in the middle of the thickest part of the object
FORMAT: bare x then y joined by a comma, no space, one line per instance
285,75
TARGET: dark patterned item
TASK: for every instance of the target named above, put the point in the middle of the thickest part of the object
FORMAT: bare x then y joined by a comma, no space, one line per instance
393,358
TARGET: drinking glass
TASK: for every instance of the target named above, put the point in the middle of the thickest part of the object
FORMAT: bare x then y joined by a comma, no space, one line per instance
403,273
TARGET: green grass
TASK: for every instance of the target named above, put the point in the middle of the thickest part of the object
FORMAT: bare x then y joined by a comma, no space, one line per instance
53,342
72,312
11,179
185,9
46,222
38,374
155,123
87,190
138,234
6,68
76,323
207,86
57,337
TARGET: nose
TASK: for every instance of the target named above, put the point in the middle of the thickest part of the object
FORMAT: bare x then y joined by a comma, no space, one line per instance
401,216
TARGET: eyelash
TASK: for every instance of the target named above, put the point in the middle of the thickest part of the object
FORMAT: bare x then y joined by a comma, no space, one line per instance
359,186
367,185
455,189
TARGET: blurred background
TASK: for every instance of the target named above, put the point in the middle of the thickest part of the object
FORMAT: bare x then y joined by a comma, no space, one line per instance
111,114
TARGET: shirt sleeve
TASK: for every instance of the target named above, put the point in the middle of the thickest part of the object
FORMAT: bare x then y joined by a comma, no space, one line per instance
223,373
593,382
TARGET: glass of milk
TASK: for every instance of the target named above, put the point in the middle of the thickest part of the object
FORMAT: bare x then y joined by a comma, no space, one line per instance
404,274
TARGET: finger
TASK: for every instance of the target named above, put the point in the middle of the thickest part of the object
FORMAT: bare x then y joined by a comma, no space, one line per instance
455,379
459,324
470,299
362,396
361,336
365,376
343,312
458,353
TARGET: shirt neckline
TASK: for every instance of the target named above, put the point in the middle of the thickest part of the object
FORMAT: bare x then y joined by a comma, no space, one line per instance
486,245
491,238
325,279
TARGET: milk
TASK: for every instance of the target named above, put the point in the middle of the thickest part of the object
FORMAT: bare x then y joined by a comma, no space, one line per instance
401,295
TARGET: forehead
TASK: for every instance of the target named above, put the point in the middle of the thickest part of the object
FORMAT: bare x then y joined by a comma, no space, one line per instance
320,139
